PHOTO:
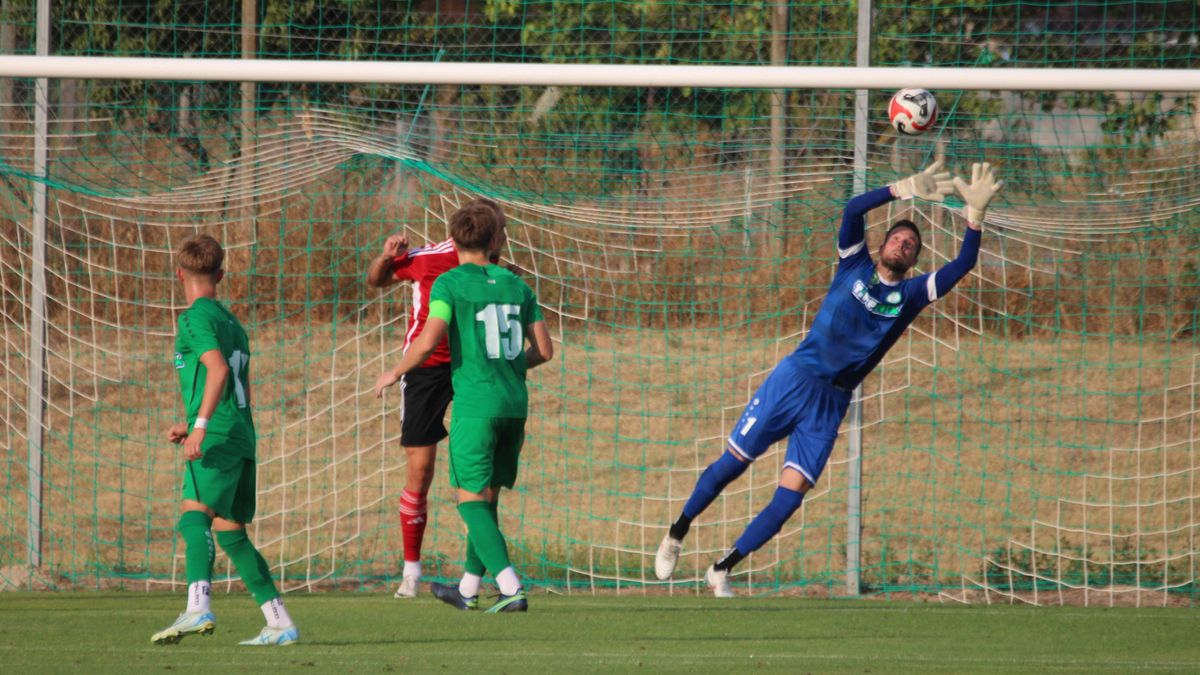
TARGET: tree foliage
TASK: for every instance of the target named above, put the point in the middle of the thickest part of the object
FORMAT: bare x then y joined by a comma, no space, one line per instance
1146,33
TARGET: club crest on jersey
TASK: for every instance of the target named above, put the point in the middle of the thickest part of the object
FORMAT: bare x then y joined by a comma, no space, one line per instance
178,361
875,306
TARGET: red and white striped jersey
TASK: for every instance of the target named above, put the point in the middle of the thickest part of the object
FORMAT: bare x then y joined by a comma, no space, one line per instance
422,266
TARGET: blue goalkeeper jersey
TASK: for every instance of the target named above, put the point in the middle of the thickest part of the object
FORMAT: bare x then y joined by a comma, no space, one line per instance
863,316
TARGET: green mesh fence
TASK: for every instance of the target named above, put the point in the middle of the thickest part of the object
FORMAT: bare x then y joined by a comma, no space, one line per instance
1034,435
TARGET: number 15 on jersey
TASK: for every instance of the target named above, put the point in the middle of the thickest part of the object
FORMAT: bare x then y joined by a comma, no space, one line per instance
502,330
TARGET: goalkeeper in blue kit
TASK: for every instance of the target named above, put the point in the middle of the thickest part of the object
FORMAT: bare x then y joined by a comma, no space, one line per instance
869,305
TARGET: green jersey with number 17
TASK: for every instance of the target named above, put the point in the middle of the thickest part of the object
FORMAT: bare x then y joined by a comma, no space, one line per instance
490,310
203,327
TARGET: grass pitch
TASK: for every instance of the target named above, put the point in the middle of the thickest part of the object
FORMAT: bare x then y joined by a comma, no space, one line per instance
361,633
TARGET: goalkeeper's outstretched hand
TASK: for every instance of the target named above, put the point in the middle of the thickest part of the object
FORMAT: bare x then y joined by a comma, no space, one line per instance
932,184
979,193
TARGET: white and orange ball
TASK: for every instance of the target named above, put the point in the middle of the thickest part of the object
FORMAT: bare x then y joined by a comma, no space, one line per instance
913,111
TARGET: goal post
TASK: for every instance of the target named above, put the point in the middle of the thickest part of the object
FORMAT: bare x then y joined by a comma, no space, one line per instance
598,75
1032,437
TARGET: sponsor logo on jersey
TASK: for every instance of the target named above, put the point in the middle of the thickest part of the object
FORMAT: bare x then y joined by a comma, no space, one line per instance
894,297
874,305
178,361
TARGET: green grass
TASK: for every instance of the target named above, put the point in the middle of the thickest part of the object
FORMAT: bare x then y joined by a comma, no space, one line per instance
360,633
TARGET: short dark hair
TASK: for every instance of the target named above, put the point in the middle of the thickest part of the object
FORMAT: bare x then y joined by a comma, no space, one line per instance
495,206
200,254
474,226
905,224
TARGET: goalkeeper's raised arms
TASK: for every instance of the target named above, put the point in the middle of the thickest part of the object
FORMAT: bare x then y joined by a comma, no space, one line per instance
932,184
979,193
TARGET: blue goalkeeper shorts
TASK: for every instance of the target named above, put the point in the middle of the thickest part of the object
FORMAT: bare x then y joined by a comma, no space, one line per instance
792,403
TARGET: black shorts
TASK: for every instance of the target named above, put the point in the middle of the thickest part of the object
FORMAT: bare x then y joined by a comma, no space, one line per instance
427,394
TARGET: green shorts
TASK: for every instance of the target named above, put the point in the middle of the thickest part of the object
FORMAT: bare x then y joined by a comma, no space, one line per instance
224,483
484,451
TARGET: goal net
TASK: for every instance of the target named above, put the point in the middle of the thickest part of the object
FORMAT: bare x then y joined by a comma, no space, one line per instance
1033,436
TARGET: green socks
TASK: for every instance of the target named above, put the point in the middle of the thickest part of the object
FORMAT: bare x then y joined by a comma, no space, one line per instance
483,537
474,565
250,565
195,529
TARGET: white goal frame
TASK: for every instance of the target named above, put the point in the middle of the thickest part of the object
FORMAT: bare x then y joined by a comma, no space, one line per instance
861,78
597,75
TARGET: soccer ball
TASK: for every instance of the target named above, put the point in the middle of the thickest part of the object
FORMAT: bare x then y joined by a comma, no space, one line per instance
913,111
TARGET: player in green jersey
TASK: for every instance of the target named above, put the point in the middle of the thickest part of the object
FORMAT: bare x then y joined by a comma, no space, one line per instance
212,357
488,313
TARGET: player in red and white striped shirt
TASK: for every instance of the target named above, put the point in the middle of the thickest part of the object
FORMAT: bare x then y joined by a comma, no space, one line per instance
427,391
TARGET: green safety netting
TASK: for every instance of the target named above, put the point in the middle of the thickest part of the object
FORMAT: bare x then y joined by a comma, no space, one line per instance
1034,436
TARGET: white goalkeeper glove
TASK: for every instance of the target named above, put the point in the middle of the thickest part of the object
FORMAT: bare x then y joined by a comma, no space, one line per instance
932,184
983,187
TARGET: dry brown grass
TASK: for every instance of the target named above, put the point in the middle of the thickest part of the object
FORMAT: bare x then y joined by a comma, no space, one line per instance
1050,402
995,444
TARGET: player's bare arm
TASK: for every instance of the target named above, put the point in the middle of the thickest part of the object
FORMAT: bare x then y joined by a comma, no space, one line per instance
379,274
418,351
214,385
541,347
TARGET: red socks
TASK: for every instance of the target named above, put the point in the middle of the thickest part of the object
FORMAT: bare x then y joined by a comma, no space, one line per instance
412,524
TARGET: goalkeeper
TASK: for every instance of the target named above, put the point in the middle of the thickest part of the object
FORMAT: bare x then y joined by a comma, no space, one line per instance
868,306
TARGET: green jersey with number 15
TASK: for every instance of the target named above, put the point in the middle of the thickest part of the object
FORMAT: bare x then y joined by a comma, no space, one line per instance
203,327
490,310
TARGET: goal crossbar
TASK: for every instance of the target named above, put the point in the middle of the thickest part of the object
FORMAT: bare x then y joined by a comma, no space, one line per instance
604,75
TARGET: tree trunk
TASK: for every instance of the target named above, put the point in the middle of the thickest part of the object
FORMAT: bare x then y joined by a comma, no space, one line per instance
8,45
775,174
249,114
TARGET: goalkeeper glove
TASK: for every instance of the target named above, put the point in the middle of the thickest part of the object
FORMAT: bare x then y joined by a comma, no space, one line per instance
983,187
932,184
